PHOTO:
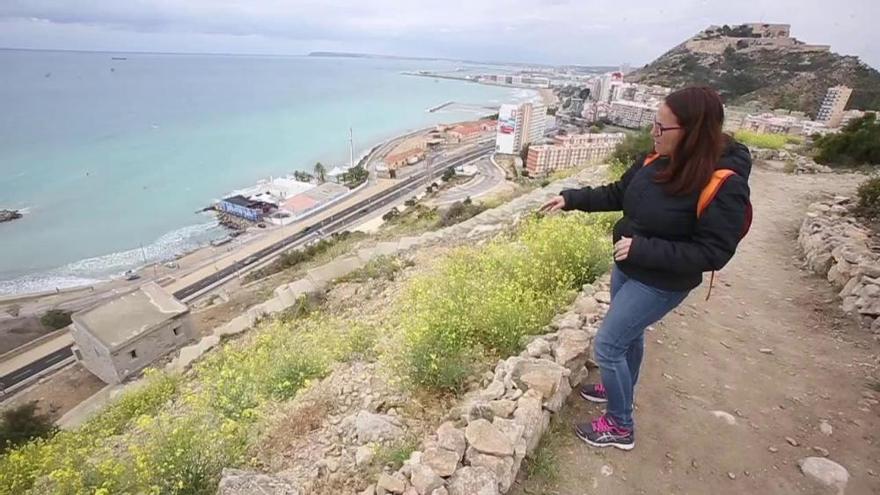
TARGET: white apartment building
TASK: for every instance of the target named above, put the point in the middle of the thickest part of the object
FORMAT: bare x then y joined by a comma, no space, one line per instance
519,125
631,114
831,110
570,151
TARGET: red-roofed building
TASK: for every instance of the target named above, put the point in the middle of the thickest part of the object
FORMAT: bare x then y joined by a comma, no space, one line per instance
399,159
469,131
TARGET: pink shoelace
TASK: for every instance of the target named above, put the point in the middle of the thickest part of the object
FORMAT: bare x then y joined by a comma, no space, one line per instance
601,425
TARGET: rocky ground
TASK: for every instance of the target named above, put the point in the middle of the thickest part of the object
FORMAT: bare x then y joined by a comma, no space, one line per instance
746,392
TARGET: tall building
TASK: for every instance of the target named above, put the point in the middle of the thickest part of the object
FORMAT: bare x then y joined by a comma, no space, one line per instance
531,124
631,114
603,87
570,151
831,111
519,125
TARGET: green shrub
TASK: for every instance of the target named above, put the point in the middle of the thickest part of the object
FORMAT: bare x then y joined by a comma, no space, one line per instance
857,143
869,198
480,302
634,145
299,256
760,140
68,459
617,168
384,267
459,212
56,319
185,455
22,424
393,455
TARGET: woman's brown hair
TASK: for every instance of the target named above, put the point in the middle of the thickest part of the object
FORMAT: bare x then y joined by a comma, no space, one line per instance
701,114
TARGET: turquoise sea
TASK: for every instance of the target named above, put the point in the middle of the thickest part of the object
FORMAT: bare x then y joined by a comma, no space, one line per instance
108,152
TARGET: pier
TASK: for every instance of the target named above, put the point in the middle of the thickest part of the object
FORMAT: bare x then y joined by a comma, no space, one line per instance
440,106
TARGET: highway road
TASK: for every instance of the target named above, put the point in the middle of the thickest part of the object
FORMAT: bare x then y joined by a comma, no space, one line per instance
9,380
337,221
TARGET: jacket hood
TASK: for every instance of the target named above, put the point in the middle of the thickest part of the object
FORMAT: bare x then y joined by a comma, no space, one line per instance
736,157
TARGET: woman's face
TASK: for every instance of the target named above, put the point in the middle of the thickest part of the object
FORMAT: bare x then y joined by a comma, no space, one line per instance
667,132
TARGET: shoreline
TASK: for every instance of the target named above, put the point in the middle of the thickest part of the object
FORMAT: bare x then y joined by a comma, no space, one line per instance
184,261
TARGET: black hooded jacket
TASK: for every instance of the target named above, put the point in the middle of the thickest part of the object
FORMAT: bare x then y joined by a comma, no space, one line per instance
671,248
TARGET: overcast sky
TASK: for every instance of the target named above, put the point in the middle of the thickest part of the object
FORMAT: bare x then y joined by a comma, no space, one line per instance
607,32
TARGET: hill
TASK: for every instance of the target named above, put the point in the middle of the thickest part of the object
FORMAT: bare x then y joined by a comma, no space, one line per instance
763,63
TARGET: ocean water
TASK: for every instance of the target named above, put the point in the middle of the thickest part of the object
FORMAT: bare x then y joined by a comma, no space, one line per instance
111,159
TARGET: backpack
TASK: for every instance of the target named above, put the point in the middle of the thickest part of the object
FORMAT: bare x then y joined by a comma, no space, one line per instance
719,177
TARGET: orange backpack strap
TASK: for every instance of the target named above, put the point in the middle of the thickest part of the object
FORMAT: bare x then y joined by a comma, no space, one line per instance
711,190
650,158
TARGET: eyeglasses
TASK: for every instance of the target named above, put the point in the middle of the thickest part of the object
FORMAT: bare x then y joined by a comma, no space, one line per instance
659,127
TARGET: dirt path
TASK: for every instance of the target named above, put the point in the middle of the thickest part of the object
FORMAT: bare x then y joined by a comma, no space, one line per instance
707,357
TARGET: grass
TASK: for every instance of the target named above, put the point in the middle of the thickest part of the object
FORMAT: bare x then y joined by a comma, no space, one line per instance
523,186
768,141
174,436
543,465
616,169
419,218
480,302
394,454
302,257
382,267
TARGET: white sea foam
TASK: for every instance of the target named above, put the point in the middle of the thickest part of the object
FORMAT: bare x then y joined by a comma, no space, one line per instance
106,267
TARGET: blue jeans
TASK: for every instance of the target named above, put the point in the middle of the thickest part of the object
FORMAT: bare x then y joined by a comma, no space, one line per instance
620,343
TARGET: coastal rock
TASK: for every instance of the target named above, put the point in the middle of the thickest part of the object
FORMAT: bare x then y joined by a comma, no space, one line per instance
9,215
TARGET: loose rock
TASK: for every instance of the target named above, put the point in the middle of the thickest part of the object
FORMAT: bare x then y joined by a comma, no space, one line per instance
826,472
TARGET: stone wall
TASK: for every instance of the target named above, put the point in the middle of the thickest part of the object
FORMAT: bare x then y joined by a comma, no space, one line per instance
480,444
481,448
802,164
837,246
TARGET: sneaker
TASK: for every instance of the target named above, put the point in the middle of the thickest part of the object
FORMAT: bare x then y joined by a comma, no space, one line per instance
594,392
602,432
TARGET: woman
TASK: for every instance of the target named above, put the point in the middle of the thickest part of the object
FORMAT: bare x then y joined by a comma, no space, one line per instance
661,248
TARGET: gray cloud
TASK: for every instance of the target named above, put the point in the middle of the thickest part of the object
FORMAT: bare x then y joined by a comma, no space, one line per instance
553,31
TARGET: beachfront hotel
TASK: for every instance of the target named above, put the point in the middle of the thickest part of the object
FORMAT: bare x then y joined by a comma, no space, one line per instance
570,151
